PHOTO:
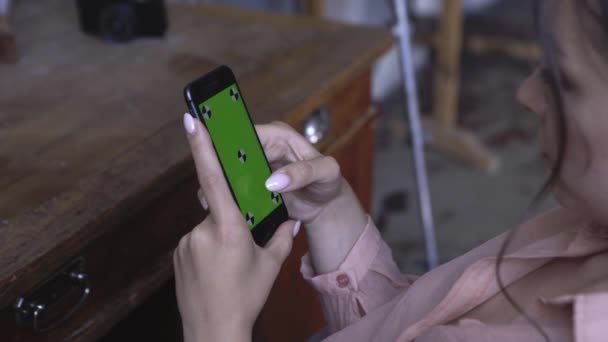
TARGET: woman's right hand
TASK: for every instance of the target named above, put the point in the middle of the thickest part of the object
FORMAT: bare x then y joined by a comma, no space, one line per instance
308,180
314,192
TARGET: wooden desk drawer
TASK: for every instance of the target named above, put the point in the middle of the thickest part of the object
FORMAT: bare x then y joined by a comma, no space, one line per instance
125,266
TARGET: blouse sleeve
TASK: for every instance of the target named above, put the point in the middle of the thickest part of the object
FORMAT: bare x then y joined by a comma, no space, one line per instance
365,280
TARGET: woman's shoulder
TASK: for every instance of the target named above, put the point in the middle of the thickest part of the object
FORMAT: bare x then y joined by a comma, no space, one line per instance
555,220
547,224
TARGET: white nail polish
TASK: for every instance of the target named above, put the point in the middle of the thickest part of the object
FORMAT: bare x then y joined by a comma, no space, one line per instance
296,228
189,124
204,203
277,182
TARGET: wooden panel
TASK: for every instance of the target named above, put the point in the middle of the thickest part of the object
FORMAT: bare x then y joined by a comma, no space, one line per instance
293,311
357,158
89,132
359,170
157,319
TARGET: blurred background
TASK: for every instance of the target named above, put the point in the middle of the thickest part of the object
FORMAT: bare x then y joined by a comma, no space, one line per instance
470,205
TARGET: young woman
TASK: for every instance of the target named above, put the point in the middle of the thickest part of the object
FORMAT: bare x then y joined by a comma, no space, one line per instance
546,280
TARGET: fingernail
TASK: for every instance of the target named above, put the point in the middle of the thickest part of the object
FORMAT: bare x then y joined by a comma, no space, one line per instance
277,182
189,124
296,228
204,203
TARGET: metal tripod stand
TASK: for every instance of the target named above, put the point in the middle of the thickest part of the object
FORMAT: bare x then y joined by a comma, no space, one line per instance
402,31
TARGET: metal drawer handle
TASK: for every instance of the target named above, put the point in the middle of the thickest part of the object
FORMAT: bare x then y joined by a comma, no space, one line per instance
316,125
34,308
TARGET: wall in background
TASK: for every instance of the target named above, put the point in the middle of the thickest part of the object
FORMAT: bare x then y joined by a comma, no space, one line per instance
4,6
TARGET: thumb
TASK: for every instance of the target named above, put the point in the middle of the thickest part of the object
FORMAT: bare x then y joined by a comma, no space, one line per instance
280,245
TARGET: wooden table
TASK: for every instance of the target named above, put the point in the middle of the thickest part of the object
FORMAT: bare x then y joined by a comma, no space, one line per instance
95,162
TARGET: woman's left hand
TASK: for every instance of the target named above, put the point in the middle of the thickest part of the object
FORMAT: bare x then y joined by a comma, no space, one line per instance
222,277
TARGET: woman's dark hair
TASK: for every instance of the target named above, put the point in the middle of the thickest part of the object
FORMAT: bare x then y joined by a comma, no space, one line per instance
544,14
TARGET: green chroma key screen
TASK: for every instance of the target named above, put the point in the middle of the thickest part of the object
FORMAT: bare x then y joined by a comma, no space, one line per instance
240,154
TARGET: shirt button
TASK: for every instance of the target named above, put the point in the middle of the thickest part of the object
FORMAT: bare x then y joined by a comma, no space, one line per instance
342,280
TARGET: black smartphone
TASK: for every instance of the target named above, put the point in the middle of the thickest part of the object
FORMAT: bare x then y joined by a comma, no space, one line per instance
216,100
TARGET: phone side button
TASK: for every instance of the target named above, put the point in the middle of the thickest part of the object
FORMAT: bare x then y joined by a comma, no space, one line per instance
193,110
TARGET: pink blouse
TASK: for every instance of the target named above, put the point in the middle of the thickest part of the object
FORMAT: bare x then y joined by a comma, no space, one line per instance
368,299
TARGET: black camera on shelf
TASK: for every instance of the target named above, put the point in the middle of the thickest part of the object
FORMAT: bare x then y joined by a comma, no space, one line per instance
123,20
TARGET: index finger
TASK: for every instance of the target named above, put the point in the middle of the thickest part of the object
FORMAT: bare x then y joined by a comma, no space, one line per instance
209,172
282,142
